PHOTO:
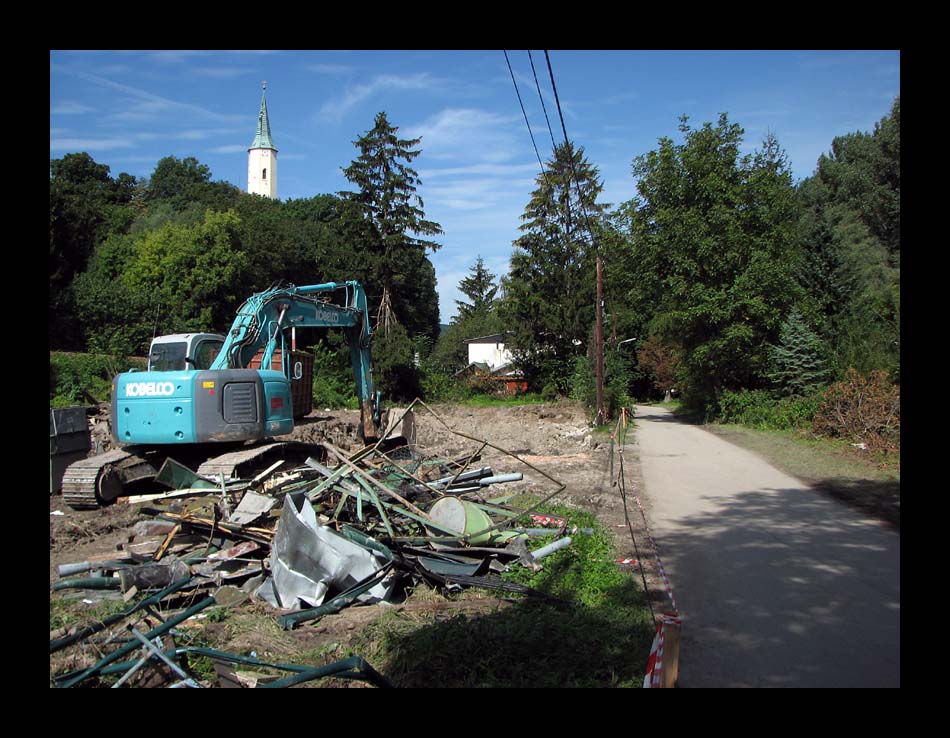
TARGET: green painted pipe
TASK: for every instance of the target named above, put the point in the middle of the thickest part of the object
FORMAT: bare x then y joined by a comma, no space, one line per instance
342,668
102,625
87,583
71,680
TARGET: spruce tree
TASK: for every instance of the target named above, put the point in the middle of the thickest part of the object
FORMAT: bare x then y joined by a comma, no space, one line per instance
480,288
550,290
389,202
798,360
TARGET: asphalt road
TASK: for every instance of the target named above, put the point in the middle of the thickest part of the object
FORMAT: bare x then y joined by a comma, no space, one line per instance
777,585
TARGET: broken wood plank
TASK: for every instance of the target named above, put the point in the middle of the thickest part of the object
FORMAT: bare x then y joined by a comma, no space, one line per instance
160,551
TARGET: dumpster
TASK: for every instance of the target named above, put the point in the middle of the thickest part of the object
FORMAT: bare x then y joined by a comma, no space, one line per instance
69,441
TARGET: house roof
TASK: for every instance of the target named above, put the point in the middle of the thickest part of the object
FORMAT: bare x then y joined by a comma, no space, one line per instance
493,338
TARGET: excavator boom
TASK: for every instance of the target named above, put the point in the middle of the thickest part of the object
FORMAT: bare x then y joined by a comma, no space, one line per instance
229,401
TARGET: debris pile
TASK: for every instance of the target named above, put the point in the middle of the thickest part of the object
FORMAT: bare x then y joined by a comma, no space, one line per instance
342,528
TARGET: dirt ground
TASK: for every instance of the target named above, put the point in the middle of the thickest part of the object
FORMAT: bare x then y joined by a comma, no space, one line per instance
554,445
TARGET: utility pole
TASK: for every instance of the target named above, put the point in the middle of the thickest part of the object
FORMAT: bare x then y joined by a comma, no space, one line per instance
599,342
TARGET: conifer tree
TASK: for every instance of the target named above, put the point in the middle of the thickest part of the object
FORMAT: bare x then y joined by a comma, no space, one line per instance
550,290
798,360
389,202
480,288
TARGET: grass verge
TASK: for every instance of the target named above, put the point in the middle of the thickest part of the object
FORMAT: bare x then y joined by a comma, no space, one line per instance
598,636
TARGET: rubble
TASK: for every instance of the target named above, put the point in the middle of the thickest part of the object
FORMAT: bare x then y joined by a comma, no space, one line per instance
352,528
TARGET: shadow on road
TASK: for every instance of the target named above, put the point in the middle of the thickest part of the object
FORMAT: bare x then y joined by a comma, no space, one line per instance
786,595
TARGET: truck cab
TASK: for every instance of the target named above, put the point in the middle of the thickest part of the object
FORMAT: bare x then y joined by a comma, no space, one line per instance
183,351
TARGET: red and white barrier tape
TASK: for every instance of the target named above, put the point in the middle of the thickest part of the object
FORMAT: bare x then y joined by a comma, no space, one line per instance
653,678
544,520
655,664
656,553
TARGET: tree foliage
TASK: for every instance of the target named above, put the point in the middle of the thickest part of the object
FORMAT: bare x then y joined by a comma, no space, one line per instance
86,205
387,199
799,363
711,251
186,184
190,274
550,289
850,234
478,317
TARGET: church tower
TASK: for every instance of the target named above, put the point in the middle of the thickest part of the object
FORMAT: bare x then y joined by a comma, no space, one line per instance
262,156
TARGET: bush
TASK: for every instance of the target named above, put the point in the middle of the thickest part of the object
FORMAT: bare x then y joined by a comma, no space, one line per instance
440,386
333,384
760,409
863,410
72,376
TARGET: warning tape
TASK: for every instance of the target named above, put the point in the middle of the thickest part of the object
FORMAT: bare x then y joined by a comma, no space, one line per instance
656,554
654,675
544,520
655,663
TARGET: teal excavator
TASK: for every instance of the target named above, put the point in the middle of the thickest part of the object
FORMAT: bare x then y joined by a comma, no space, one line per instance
237,405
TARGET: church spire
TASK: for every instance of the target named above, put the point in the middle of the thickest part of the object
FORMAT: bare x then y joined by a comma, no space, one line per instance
262,156
263,140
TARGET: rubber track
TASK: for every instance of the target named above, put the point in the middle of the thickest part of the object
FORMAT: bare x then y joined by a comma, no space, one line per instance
80,481
231,464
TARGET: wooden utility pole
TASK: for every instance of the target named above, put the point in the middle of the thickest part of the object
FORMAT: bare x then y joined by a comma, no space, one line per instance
599,342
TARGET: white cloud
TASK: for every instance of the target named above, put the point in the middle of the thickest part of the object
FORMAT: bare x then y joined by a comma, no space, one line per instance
70,107
149,105
220,72
456,133
229,149
331,69
86,144
336,109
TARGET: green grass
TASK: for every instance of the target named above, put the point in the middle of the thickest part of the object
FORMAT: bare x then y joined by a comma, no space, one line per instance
867,483
599,637
69,612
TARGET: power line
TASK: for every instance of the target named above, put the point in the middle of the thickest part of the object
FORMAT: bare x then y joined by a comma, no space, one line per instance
531,59
530,133
570,153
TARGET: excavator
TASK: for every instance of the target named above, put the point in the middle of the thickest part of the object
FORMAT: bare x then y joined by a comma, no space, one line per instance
225,418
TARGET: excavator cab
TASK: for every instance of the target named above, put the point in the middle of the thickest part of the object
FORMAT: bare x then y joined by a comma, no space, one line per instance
182,351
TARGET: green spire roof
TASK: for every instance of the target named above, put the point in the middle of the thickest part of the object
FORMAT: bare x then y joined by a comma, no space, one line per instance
262,140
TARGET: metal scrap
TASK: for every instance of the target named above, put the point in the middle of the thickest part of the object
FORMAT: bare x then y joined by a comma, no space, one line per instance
346,529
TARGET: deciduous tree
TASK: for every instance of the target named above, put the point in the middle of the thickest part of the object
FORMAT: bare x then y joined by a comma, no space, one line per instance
713,252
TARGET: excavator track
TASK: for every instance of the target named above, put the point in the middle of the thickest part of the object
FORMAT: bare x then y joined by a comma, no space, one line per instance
238,464
90,483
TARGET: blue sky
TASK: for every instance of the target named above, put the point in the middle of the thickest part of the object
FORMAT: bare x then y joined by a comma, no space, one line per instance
128,109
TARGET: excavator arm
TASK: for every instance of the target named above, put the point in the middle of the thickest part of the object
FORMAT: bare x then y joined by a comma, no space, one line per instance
262,320
230,401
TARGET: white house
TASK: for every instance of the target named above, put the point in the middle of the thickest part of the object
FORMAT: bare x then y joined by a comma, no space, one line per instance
489,350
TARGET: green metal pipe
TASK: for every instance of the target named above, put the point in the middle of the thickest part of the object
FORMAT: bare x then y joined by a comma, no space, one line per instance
102,625
341,668
300,673
87,583
71,680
